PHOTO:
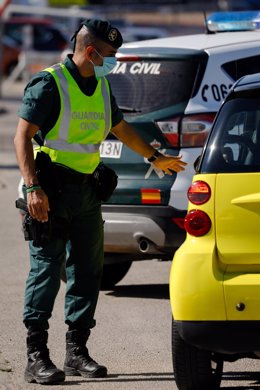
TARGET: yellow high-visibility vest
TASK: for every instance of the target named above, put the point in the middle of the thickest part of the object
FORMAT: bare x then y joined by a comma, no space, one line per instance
83,123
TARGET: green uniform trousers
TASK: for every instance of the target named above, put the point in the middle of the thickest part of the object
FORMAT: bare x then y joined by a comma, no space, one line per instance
80,210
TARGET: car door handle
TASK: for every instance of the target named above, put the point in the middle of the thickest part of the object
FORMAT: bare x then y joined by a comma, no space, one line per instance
252,198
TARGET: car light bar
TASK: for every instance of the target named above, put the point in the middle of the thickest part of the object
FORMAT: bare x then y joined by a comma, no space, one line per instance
233,21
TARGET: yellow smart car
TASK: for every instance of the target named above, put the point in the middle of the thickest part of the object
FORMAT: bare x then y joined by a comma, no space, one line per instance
215,275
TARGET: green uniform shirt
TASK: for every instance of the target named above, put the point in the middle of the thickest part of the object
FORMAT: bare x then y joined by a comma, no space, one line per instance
41,101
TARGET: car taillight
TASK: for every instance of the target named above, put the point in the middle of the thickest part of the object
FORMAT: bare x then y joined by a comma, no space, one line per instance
195,129
197,223
170,130
199,192
187,131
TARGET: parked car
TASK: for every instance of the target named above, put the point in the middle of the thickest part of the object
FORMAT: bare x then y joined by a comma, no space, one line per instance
170,90
238,5
45,37
137,32
215,275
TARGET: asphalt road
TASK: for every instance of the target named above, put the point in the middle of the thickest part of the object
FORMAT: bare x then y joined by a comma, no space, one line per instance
133,332
132,336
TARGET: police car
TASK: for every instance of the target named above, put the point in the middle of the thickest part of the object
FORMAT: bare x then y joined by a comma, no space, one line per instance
170,90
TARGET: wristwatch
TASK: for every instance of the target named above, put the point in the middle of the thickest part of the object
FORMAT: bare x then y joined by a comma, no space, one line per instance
154,156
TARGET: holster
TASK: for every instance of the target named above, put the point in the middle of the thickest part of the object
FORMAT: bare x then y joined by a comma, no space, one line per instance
105,181
38,232
41,232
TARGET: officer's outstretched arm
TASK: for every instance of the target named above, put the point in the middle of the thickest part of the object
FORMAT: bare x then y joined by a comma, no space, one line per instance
128,135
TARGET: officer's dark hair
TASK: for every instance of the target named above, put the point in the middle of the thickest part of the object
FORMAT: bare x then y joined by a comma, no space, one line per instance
83,39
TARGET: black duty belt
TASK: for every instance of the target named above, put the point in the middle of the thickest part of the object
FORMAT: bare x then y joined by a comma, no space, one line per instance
68,175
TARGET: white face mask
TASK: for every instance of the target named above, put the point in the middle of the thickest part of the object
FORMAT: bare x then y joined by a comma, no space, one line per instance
109,64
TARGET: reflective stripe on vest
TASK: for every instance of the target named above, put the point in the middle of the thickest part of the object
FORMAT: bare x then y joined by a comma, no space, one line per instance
61,143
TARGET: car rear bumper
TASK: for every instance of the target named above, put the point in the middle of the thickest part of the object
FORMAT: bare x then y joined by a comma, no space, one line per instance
227,337
142,230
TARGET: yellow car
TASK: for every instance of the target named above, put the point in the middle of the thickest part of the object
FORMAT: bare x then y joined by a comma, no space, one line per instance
215,275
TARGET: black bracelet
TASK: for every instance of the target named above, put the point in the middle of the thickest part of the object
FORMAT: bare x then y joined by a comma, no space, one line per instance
154,156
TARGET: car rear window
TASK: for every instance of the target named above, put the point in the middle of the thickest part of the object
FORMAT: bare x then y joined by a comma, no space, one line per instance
143,87
241,67
234,143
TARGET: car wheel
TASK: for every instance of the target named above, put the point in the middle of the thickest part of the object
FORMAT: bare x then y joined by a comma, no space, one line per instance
194,369
113,273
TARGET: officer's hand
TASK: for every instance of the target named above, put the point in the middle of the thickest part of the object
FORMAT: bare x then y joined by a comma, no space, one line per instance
169,163
38,205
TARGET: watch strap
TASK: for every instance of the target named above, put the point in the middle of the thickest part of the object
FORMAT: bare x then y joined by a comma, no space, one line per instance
154,156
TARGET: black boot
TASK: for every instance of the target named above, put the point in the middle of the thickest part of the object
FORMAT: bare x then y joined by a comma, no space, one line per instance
40,368
78,361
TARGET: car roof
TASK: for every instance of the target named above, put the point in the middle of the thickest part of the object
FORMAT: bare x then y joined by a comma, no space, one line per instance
248,81
199,41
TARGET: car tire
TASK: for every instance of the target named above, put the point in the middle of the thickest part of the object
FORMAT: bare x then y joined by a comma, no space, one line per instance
194,369
113,273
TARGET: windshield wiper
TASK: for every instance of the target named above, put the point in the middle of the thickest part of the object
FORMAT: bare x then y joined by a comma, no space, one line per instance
129,109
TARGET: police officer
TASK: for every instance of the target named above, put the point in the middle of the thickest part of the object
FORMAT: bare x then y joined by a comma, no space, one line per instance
70,108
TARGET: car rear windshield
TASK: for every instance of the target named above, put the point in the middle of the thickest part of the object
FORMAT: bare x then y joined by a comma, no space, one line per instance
241,67
234,143
143,87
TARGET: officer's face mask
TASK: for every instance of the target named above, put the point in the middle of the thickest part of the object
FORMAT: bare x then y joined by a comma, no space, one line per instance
108,65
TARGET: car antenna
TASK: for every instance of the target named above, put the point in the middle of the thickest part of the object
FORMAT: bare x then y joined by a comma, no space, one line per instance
208,31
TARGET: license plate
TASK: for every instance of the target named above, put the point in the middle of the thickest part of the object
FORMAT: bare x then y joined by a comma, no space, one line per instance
111,149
